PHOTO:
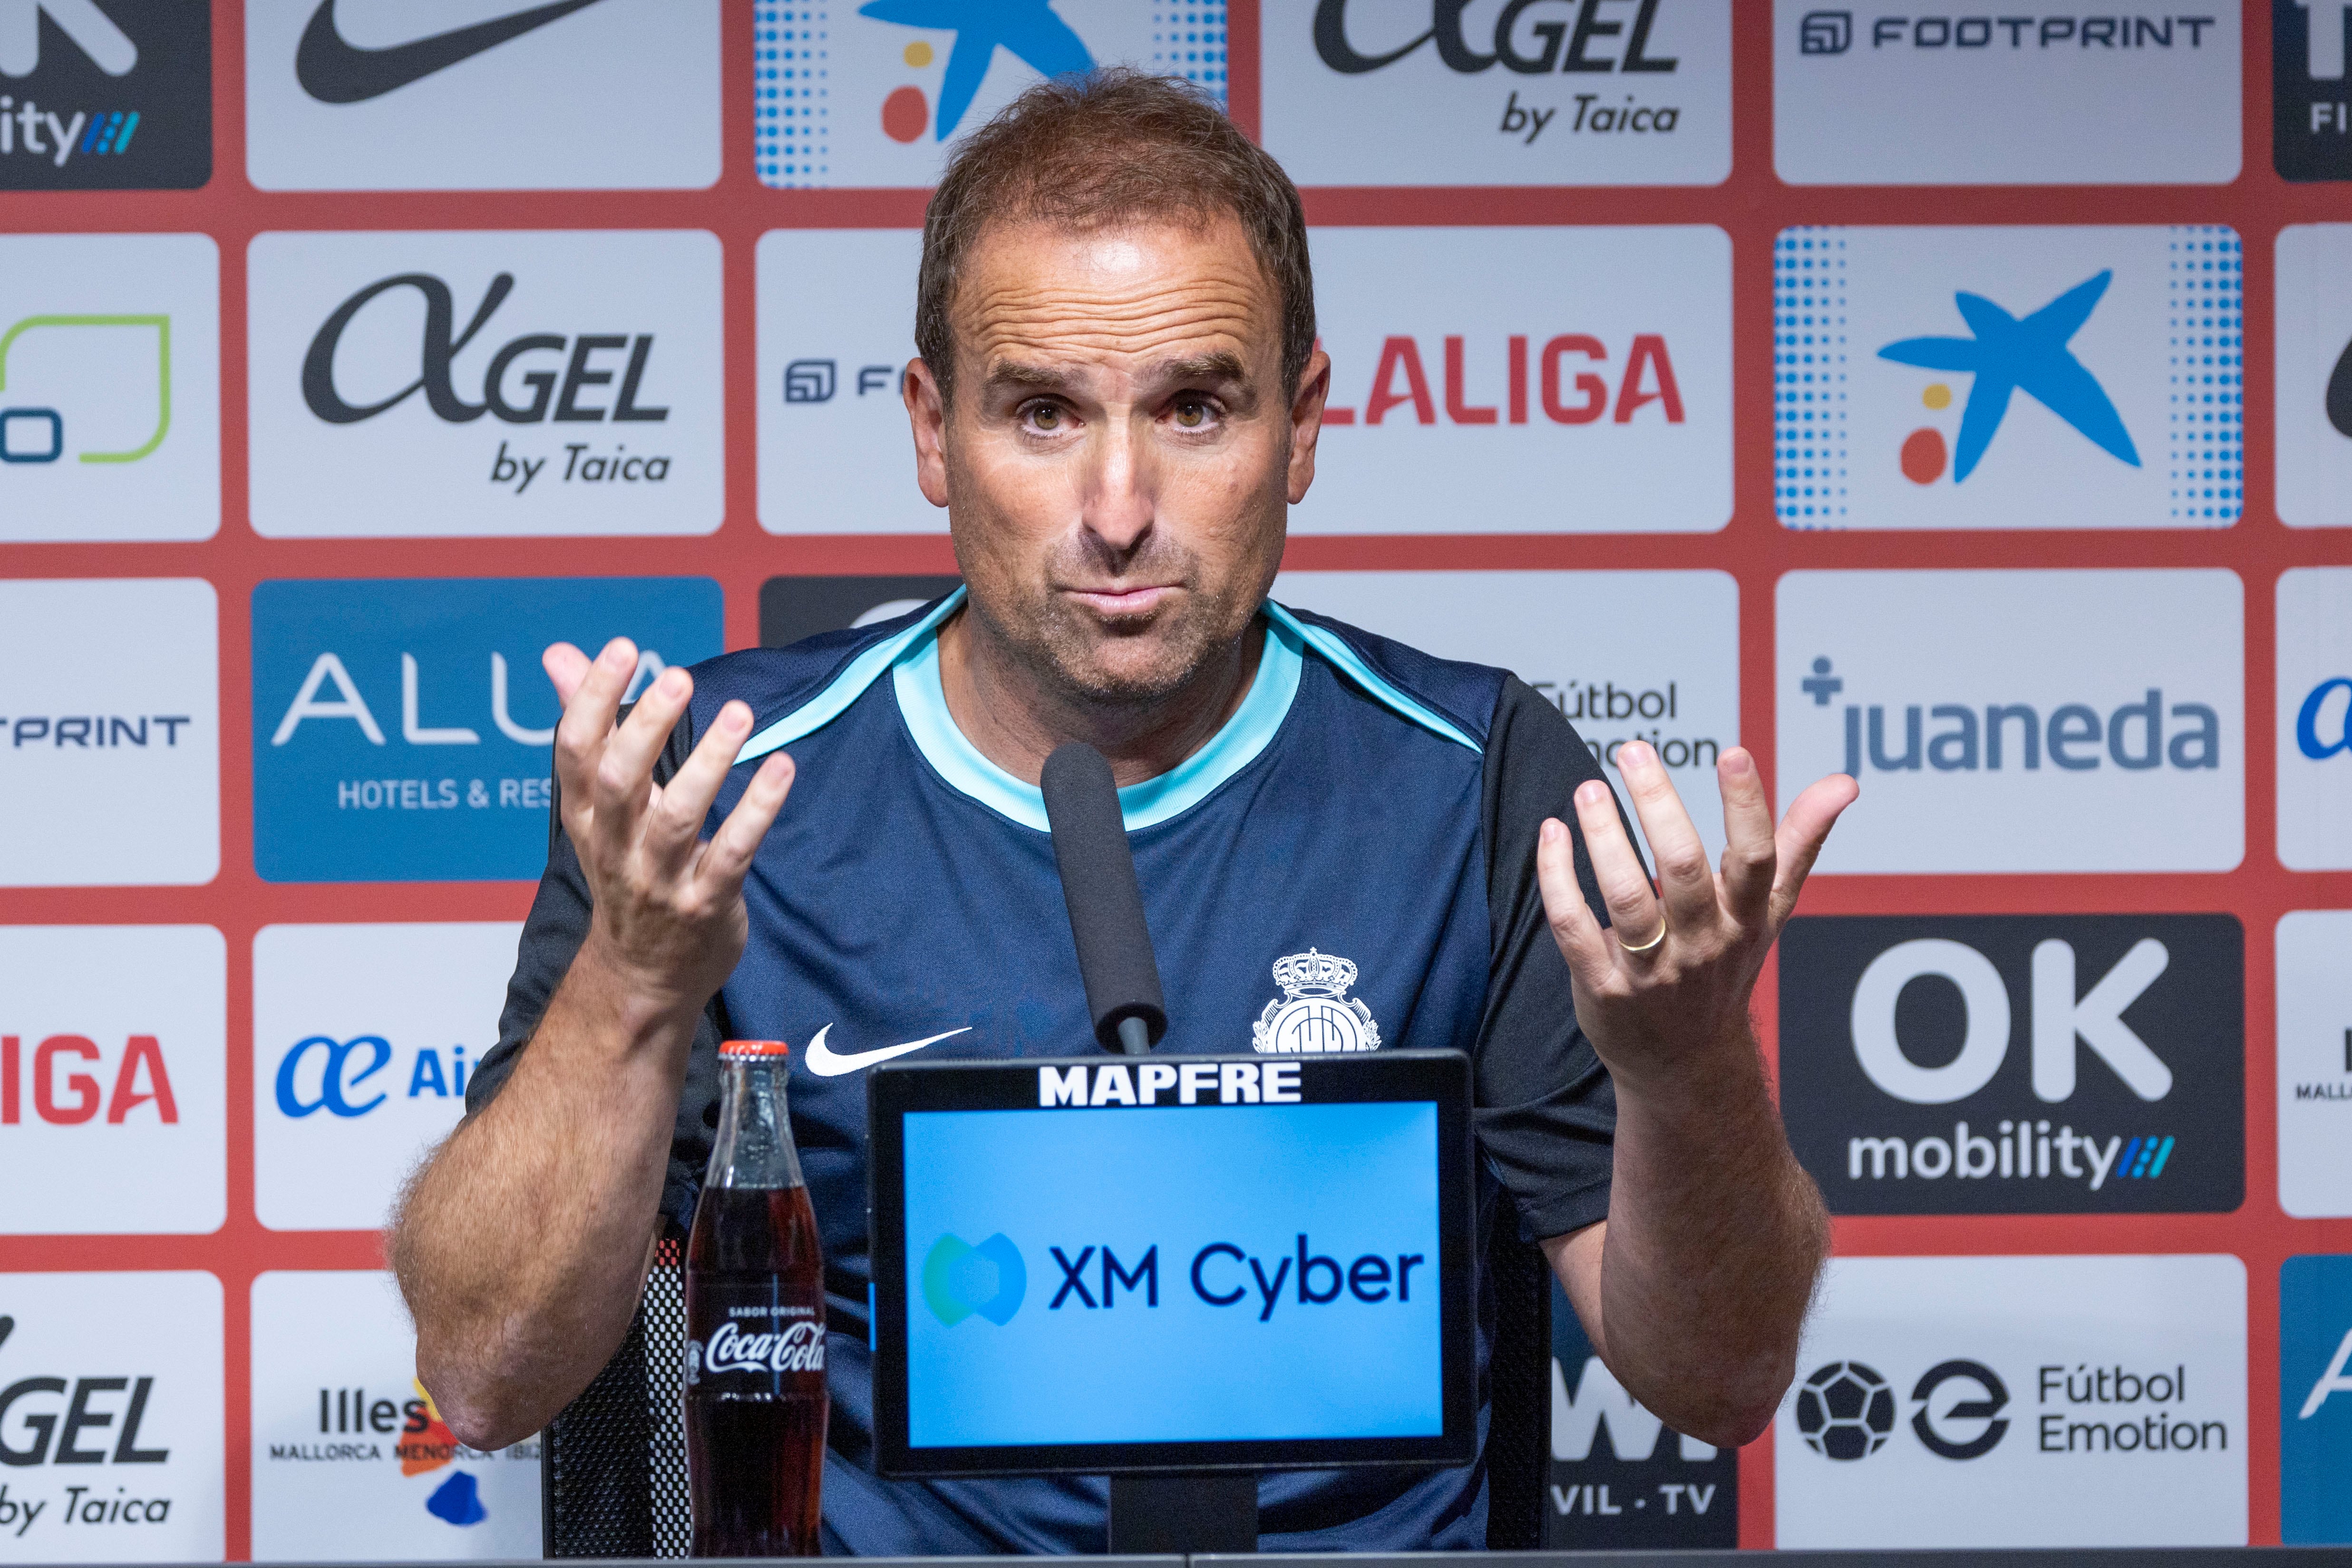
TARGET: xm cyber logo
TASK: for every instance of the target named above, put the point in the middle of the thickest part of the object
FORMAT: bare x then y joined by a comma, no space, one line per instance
31,433
2015,1063
959,1279
105,94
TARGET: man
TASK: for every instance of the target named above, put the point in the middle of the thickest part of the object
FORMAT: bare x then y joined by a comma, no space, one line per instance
1119,395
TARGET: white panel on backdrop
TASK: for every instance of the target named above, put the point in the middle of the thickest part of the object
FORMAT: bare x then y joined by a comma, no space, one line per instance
112,1430
501,382
364,1036
482,95
2018,720
110,387
1558,92
836,328
1587,640
2037,94
1474,392
351,1460
2009,377
2315,1064
872,94
1946,1402
109,706
113,1080
2315,718
2315,375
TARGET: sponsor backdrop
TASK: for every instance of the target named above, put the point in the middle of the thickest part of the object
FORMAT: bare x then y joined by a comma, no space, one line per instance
1961,398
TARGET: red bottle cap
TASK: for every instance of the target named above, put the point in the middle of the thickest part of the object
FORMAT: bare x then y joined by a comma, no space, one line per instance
755,1048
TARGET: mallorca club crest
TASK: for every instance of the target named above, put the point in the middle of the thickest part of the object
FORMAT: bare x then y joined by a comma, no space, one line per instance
1316,1014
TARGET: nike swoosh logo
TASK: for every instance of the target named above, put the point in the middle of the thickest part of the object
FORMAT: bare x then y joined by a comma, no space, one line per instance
333,70
826,1062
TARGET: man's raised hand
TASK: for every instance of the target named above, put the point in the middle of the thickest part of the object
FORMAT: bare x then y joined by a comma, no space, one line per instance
669,923
1668,981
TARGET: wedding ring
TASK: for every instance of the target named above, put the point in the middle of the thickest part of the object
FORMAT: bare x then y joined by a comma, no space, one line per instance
1645,947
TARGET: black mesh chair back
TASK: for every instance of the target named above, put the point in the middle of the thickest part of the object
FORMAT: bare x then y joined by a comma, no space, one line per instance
612,1476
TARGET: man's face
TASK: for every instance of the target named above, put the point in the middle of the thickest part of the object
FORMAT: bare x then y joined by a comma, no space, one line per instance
1120,452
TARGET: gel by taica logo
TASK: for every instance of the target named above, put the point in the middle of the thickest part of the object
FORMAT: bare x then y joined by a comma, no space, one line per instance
959,1279
2016,1064
2098,381
2315,1399
403,731
105,95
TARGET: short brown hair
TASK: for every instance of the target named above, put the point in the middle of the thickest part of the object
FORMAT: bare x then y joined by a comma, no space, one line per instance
1109,147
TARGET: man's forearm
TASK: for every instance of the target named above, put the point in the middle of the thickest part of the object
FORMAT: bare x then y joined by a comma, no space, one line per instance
522,1247
1713,1239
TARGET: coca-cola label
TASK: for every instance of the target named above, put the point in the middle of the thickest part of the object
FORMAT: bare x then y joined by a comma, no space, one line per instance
755,1334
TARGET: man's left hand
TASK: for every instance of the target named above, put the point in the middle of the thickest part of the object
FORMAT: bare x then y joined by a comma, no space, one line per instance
1667,982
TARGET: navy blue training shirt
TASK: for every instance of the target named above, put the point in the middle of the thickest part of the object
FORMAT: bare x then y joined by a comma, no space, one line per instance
1366,803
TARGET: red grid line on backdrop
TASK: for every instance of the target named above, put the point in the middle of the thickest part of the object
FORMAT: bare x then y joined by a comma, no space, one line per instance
1752,205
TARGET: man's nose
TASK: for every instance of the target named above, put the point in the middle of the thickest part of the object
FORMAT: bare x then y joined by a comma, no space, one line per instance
1119,505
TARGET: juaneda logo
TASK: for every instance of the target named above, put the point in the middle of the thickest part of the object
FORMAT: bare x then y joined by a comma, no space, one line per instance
1620,1476
2311,97
106,95
403,731
2041,93
553,390
2016,1064
1527,92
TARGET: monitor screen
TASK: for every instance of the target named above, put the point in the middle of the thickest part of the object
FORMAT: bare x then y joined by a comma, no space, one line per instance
1108,1265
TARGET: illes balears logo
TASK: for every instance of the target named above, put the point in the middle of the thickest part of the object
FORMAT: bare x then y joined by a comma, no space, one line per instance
959,1279
332,69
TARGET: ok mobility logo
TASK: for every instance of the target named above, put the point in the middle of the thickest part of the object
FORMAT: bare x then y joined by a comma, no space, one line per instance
34,432
105,94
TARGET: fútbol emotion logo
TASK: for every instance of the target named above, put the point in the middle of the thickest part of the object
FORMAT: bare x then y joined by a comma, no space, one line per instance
1973,1402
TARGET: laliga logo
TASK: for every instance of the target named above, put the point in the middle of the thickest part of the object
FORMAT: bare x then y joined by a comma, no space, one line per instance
1400,379
798,1348
39,435
959,1279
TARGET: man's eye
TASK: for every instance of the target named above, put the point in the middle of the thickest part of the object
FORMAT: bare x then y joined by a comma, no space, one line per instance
1192,414
1045,417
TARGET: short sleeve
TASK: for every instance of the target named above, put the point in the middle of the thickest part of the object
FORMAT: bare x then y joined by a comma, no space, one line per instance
552,935
1547,1112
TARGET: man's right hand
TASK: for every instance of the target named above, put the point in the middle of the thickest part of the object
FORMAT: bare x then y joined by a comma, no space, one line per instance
669,923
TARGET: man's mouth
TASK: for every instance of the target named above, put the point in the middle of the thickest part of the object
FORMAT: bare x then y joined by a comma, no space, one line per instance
1123,604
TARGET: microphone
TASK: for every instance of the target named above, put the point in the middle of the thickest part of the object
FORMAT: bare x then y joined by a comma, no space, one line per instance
1097,870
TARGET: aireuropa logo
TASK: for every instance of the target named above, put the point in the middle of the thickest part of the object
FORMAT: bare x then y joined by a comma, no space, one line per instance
110,730
1441,394
2094,379
2029,722
2315,1064
110,1418
1437,92
345,1438
487,383
106,95
1972,1401
871,94
373,95
1620,1478
2016,1064
364,1036
2311,101
403,730
2315,374
114,1093
836,328
2315,1399
2313,747
959,1279
1682,699
110,387
2045,93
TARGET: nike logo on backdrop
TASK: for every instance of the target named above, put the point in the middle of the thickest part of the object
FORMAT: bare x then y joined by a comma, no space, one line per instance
826,1062
334,70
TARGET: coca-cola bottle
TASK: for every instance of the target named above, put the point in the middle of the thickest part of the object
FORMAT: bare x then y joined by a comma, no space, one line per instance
755,1392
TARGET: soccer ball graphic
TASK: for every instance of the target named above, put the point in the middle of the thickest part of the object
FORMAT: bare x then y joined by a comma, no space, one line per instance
1846,1411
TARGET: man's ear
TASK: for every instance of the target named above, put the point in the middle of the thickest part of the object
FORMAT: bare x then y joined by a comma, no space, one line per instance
927,413
1306,421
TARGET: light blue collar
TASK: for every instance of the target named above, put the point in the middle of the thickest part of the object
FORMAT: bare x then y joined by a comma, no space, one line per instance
915,674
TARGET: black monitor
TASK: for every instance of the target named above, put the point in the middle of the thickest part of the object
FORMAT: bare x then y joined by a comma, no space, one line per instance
1173,1263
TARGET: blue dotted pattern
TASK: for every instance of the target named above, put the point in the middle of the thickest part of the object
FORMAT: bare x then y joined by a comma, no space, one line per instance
790,67
1808,377
2205,364
1190,41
